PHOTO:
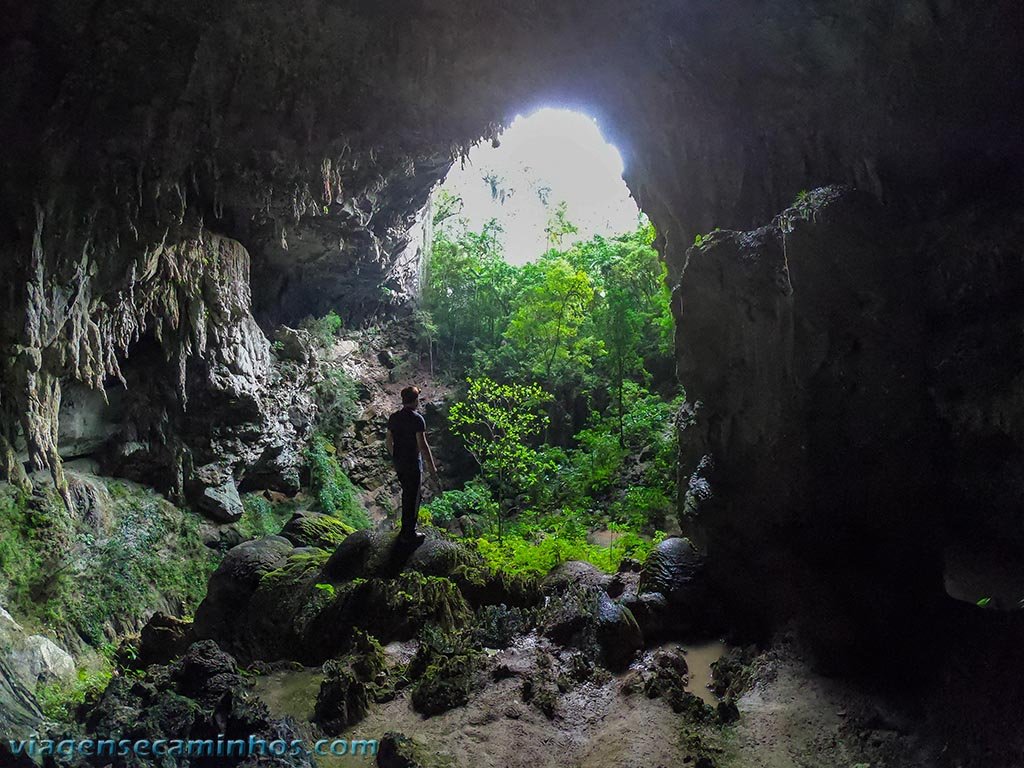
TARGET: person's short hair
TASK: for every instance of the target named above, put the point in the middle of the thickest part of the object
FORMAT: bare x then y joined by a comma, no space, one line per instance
410,395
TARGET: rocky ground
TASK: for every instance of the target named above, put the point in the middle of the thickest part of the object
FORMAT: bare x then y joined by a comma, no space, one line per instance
323,633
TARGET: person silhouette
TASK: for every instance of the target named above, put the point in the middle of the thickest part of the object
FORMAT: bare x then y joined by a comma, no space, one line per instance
406,441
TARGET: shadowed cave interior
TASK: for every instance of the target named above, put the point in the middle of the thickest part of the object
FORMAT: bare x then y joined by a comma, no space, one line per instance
836,195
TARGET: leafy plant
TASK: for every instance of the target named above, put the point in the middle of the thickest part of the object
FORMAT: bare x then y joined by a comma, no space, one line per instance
338,398
60,700
324,329
474,499
496,421
333,489
261,518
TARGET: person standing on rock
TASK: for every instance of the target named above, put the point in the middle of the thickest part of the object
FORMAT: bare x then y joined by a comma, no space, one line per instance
407,443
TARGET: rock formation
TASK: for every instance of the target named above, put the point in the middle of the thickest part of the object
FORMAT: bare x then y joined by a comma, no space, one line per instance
856,359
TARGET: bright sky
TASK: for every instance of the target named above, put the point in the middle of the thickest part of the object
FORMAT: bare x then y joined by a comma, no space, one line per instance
550,156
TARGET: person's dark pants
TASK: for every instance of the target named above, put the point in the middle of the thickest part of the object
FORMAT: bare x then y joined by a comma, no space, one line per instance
411,481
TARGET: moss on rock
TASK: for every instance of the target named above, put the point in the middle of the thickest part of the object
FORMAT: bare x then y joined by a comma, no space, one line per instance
311,529
95,571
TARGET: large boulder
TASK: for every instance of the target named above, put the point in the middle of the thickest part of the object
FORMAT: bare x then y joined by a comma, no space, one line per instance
201,696
19,712
234,582
162,639
366,553
313,529
574,573
439,556
618,633
33,659
39,660
674,569
350,683
213,491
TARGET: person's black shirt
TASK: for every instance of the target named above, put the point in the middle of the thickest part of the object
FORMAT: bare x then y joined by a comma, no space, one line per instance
404,426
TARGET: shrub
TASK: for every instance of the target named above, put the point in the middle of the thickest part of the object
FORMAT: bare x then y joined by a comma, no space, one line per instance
474,499
261,518
60,700
537,554
333,489
338,398
325,329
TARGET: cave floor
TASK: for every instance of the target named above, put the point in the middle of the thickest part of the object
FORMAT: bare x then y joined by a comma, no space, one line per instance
790,717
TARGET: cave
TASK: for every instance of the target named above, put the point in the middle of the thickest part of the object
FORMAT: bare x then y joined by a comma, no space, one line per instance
837,194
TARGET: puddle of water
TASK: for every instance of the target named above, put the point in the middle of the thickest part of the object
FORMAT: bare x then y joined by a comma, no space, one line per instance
699,659
290,693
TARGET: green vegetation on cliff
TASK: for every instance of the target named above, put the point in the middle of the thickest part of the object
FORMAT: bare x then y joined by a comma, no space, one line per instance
94,573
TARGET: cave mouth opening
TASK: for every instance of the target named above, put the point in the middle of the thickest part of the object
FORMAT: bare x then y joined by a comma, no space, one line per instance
550,179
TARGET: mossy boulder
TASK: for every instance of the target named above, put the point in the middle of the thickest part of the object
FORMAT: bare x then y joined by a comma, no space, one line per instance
389,609
574,573
162,639
367,553
497,626
585,617
444,670
200,696
343,699
439,556
446,684
482,586
282,607
351,682
569,619
313,529
233,584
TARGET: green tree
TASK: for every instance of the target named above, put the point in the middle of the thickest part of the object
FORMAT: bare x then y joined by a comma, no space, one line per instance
468,291
550,313
497,422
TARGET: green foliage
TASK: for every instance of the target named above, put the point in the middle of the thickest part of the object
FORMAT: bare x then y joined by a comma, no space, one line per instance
496,421
333,489
559,227
338,399
329,589
298,566
63,574
261,518
325,329
468,293
567,409
534,552
474,499
545,329
60,700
